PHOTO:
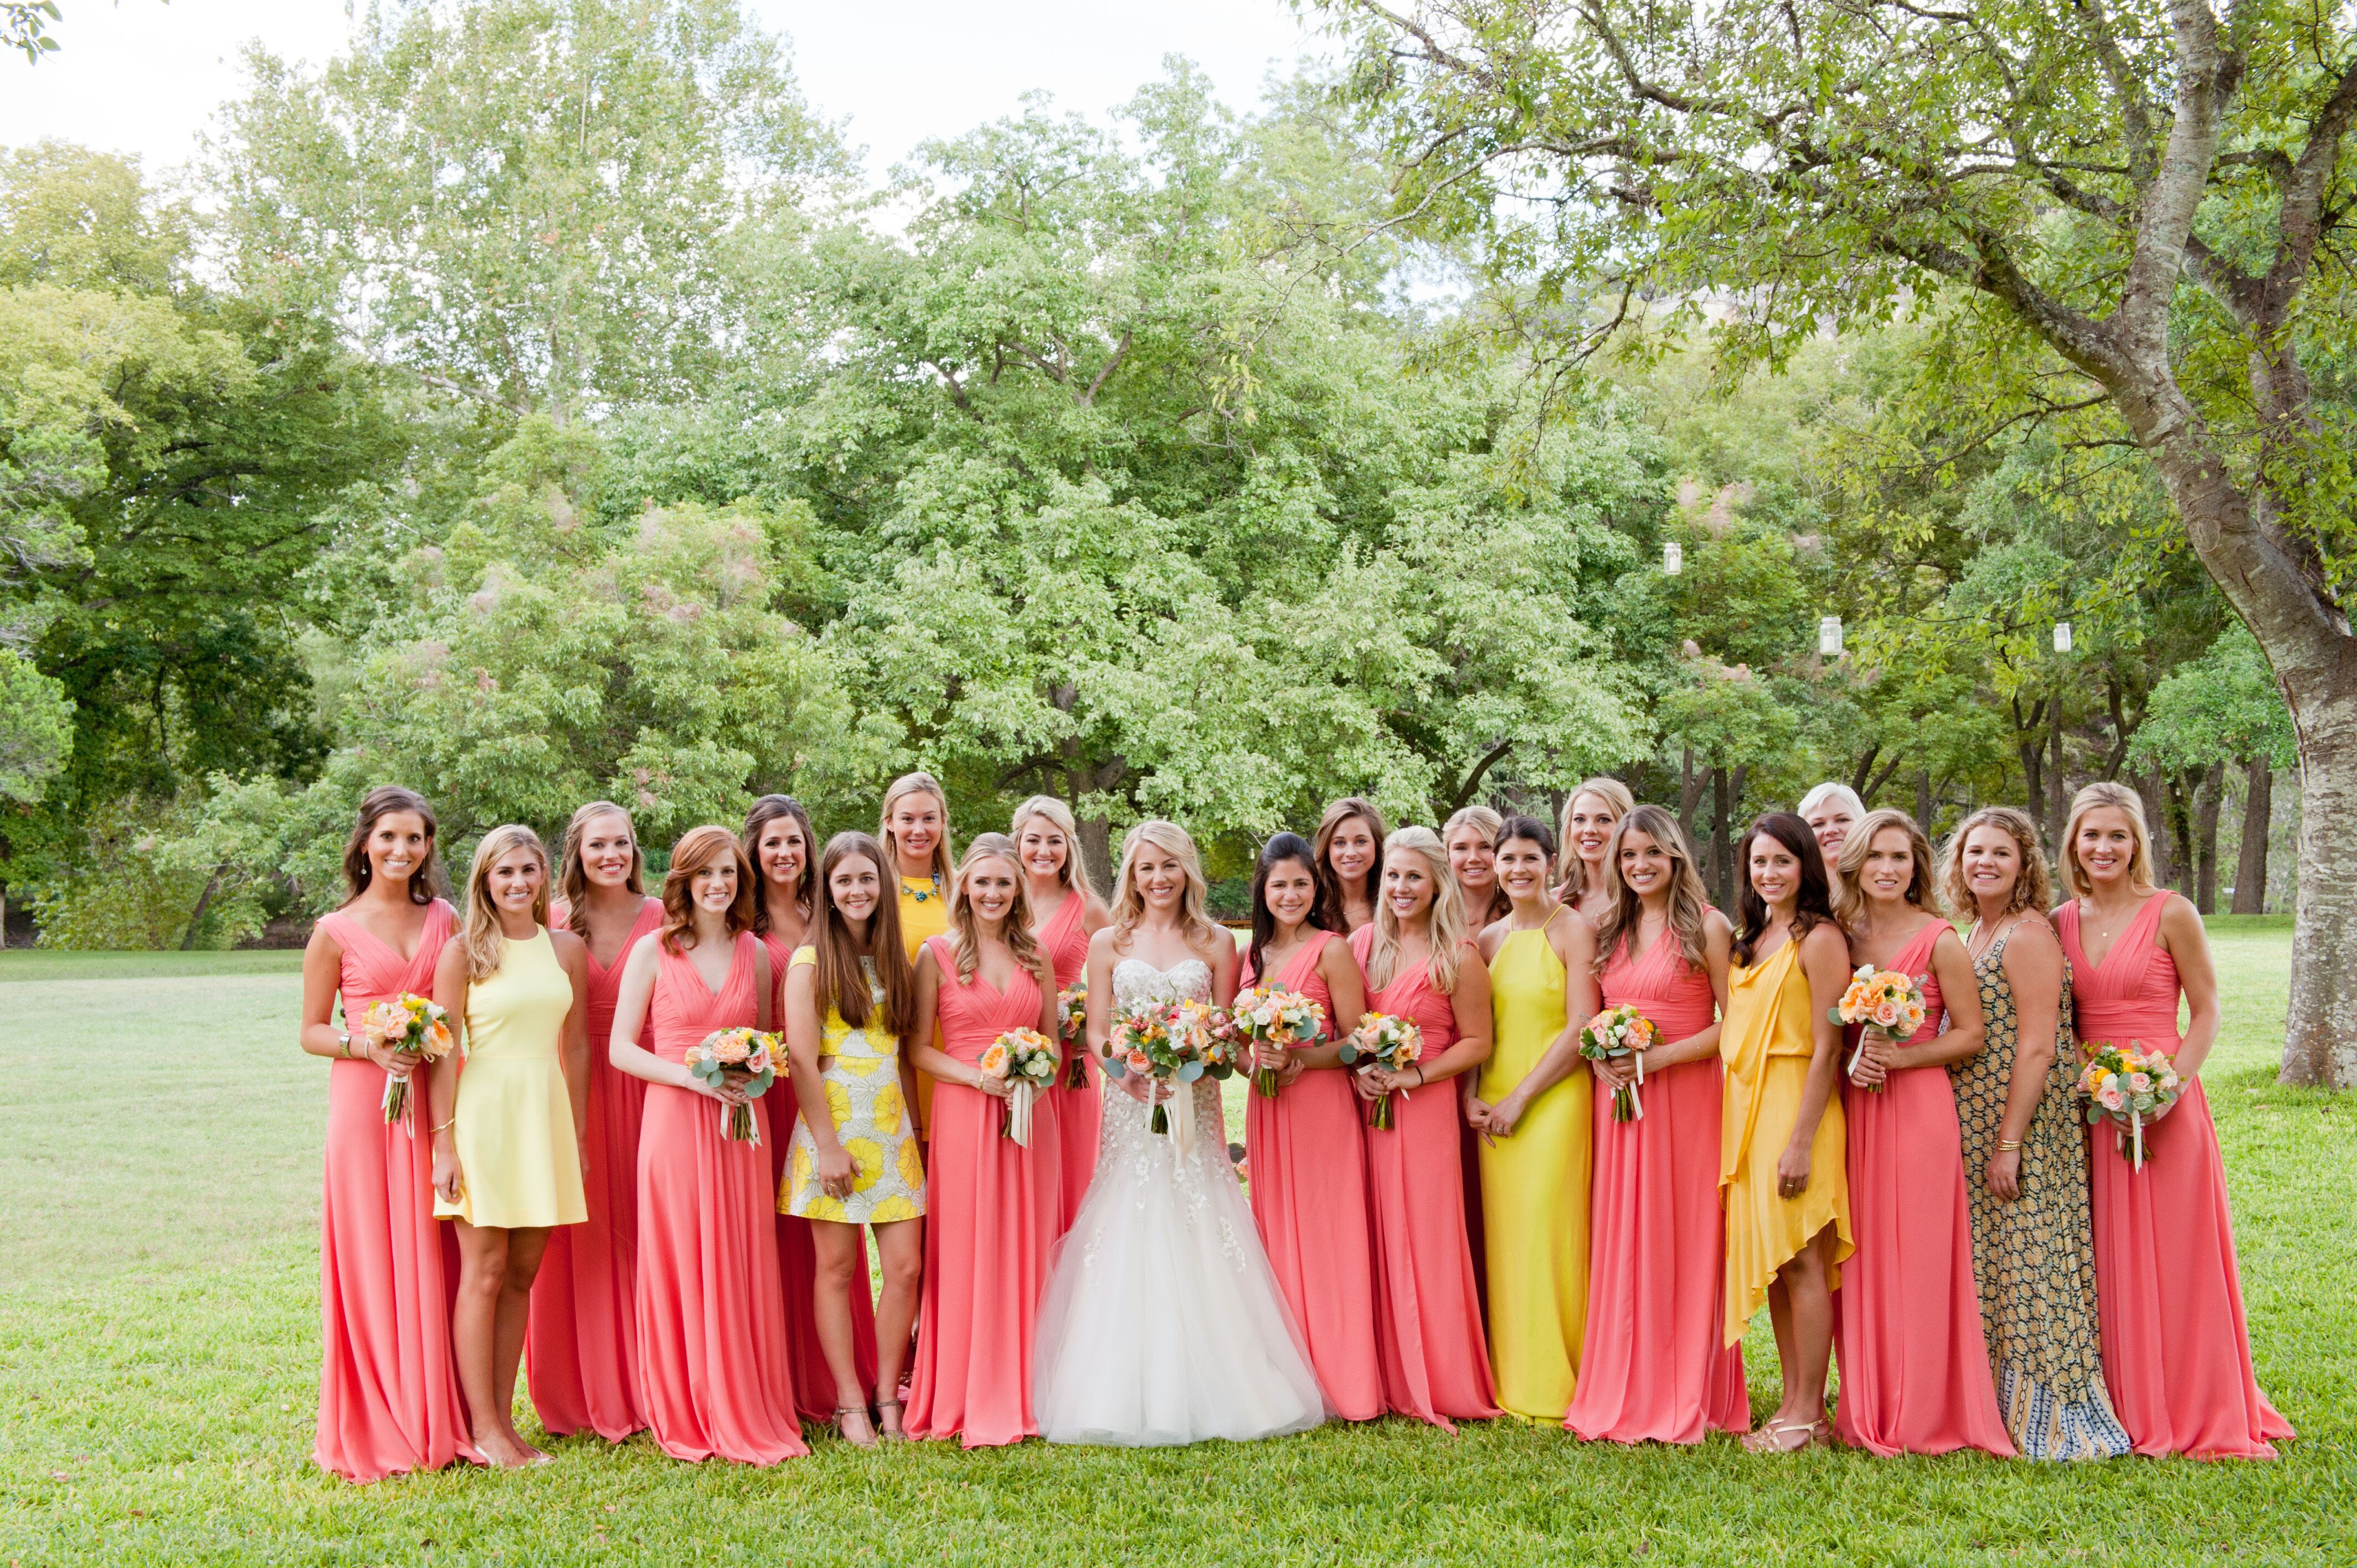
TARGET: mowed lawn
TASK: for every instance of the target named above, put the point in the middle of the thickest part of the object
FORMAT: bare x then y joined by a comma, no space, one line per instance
159,1145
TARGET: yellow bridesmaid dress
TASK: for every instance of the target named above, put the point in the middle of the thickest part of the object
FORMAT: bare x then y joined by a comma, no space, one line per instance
924,914
519,1161
1535,1189
1766,1040
862,1078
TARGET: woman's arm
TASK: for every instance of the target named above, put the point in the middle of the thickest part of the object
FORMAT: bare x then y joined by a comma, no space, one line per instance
323,972
922,1053
633,996
1348,989
573,1044
1573,937
1825,958
1717,951
2032,964
1226,963
2188,943
1960,990
441,1077
1469,1003
805,1039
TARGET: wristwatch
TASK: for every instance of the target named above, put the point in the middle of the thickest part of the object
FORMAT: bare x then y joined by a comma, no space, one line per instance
344,1043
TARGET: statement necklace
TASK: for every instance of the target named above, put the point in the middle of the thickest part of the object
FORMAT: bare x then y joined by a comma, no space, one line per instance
922,894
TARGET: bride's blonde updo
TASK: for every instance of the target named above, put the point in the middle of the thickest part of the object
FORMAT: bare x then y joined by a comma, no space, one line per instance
1129,904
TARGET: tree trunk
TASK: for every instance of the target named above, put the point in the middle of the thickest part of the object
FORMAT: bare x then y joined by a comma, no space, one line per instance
2153,787
1690,788
1096,843
2205,839
2258,821
1923,800
2058,789
2182,859
197,916
1722,851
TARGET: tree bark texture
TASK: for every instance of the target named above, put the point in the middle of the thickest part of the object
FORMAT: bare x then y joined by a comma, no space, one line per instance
2258,821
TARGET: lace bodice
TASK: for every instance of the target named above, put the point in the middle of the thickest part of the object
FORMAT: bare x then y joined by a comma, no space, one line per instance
1137,983
1146,1162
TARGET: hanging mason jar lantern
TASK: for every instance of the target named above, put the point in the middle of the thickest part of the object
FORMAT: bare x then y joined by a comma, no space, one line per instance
1674,558
2062,636
1829,637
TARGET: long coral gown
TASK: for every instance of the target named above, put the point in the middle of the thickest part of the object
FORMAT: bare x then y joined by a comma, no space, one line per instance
1534,1188
815,1388
389,1398
924,914
992,1206
2177,1347
1766,1041
1309,1203
1080,1113
1435,1358
581,1351
715,1376
1913,1353
1652,1367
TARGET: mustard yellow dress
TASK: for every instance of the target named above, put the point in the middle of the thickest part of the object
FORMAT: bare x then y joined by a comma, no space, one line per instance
1534,1188
519,1160
861,1070
1766,1040
924,914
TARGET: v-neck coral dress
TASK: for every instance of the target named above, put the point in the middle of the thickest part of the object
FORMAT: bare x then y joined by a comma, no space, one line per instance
1080,1113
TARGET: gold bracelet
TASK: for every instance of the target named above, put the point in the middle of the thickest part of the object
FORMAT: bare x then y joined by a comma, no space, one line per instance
450,1124
2008,1146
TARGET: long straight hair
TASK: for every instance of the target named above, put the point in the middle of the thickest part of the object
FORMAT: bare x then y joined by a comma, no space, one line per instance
1689,903
1075,872
1813,904
1280,850
1330,886
840,980
376,805
1447,932
1195,926
966,926
573,874
697,849
485,943
2095,797
1922,888
944,848
1571,871
767,809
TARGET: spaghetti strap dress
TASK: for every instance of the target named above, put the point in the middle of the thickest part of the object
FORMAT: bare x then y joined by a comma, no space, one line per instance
2176,1347
389,1398
1080,1113
1652,1367
512,1123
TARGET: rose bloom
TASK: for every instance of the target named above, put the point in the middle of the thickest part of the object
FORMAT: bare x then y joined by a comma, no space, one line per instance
1138,1061
994,1061
732,1048
2109,1097
2140,1083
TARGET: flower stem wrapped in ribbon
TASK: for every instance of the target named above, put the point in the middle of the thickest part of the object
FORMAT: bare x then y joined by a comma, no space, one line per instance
1622,1031
1882,1000
1027,1060
1272,1016
1073,1028
1386,1041
1171,1043
737,1058
409,1026
2125,1084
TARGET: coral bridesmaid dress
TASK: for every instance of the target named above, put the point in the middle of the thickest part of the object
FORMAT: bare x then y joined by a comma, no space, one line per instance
715,1369
992,1205
924,914
1309,1204
814,1387
1913,1353
1652,1367
388,1395
2177,1349
1435,1359
582,1348
1080,1113
1534,1188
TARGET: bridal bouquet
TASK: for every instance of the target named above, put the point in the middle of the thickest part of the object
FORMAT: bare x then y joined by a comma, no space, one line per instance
2125,1084
1073,1028
1381,1040
1174,1043
1622,1031
1880,999
1272,1016
1028,1058
738,1058
409,1026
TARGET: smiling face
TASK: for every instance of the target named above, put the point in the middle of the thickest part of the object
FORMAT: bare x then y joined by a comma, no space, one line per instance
1473,862
1407,887
1289,890
2105,846
1888,867
1831,823
990,887
1992,865
1045,850
781,851
855,887
1775,872
1159,876
1589,824
609,850
1352,852
397,847
917,823
1647,867
712,888
1523,870
515,880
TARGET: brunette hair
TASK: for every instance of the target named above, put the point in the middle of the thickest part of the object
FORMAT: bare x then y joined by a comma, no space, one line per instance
1849,899
1330,905
1447,933
573,874
850,983
697,849
1689,903
767,809
1813,903
1075,873
484,941
1280,849
944,850
966,926
384,802
1530,830
1571,871
2033,889
2095,797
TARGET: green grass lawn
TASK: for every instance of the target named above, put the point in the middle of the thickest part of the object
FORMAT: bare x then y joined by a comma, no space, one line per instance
159,1348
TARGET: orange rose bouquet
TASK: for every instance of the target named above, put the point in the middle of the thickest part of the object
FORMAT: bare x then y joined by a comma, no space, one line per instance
1382,1040
738,1059
1883,1000
409,1026
1027,1060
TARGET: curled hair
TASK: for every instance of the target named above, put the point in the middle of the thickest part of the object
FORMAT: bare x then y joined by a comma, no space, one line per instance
1331,902
966,926
767,809
945,850
697,849
1689,903
2121,799
1074,873
1849,898
1841,794
1812,905
1447,936
483,940
1570,870
1487,823
2032,889
1129,906
379,803
840,979
1280,850
573,873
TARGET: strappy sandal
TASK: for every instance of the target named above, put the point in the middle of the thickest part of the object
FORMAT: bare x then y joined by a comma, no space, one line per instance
848,1436
1784,1437
893,1432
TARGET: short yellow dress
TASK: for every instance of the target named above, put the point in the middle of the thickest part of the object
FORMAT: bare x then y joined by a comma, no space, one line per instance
924,914
1766,1040
519,1159
1534,1188
861,1069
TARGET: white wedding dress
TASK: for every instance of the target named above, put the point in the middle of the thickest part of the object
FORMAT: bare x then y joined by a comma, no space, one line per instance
1162,1323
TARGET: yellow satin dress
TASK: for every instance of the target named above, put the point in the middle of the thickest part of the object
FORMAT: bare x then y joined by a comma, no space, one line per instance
1534,1188
1766,1040
924,914
519,1159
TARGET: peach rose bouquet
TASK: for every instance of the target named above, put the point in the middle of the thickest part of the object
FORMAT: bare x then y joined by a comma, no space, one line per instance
2123,1085
737,1058
409,1026
1025,1058
1386,1041
1885,1000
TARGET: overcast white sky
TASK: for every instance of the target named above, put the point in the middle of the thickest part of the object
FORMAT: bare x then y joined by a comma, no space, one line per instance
143,77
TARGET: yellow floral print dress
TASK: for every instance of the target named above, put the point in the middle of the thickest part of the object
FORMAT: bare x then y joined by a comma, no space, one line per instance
861,1069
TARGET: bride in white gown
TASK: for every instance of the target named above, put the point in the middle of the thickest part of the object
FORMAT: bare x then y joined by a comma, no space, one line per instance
1161,1322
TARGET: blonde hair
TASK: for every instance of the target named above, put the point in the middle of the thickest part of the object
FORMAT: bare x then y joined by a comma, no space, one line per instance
2121,799
1489,824
484,941
1075,872
2033,889
1689,902
967,929
1447,933
1570,870
1849,899
1129,904
1830,790
573,876
945,850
